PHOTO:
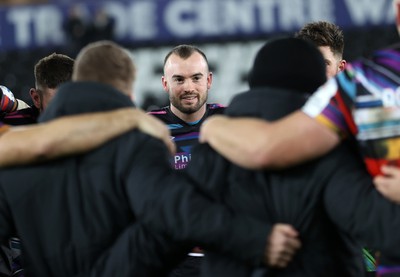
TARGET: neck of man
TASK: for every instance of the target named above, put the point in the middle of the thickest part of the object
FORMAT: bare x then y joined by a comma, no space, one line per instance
189,117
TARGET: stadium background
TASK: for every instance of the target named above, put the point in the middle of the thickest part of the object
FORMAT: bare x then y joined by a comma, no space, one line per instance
229,31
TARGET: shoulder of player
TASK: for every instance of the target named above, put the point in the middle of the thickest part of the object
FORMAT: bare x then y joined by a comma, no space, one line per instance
215,108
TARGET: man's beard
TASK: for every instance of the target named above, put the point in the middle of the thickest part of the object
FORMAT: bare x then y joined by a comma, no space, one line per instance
176,102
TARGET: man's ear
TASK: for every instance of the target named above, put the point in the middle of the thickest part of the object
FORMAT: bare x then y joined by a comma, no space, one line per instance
342,65
35,97
209,80
396,6
164,83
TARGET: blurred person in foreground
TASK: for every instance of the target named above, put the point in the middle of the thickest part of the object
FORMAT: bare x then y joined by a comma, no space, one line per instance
311,196
50,72
358,104
82,205
329,39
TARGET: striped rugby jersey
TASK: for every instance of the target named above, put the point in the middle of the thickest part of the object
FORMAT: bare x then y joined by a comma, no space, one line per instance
184,134
364,102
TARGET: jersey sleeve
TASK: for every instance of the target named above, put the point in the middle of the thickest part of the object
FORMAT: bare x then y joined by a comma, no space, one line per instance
328,108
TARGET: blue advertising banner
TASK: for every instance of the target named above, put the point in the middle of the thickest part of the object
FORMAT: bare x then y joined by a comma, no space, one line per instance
163,21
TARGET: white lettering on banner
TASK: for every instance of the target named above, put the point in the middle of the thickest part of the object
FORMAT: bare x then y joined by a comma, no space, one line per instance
321,10
237,16
145,19
369,11
267,15
45,21
143,16
21,19
47,26
184,18
187,18
291,14
179,18
137,21
208,22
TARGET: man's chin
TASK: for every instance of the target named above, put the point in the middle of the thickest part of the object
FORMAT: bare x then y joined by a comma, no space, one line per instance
188,109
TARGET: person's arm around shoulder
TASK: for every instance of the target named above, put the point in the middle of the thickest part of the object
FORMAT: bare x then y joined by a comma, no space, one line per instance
255,143
75,134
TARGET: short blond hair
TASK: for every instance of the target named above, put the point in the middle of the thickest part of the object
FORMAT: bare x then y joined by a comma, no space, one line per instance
105,62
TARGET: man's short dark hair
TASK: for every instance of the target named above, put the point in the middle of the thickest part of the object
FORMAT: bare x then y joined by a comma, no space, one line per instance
323,33
184,51
53,70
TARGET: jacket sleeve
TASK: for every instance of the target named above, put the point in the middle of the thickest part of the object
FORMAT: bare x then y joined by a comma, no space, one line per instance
168,201
356,206
6,223
139,251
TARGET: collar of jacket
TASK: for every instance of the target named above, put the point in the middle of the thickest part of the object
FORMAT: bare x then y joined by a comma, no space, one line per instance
84,97
267,103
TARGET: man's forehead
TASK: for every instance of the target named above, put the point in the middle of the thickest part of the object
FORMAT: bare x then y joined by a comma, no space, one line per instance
192,64
174,58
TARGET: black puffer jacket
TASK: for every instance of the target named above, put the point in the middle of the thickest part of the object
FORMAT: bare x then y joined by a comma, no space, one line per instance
70,211
319,198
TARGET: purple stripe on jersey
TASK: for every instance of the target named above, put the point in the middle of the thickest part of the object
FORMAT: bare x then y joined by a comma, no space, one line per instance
336,117
377,80
390,64
158,112
15,115
216,106
193,135
382,270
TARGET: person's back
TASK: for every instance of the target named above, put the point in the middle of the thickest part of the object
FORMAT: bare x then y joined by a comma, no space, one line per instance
361,104
69,211
70,214
97,211
294,196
